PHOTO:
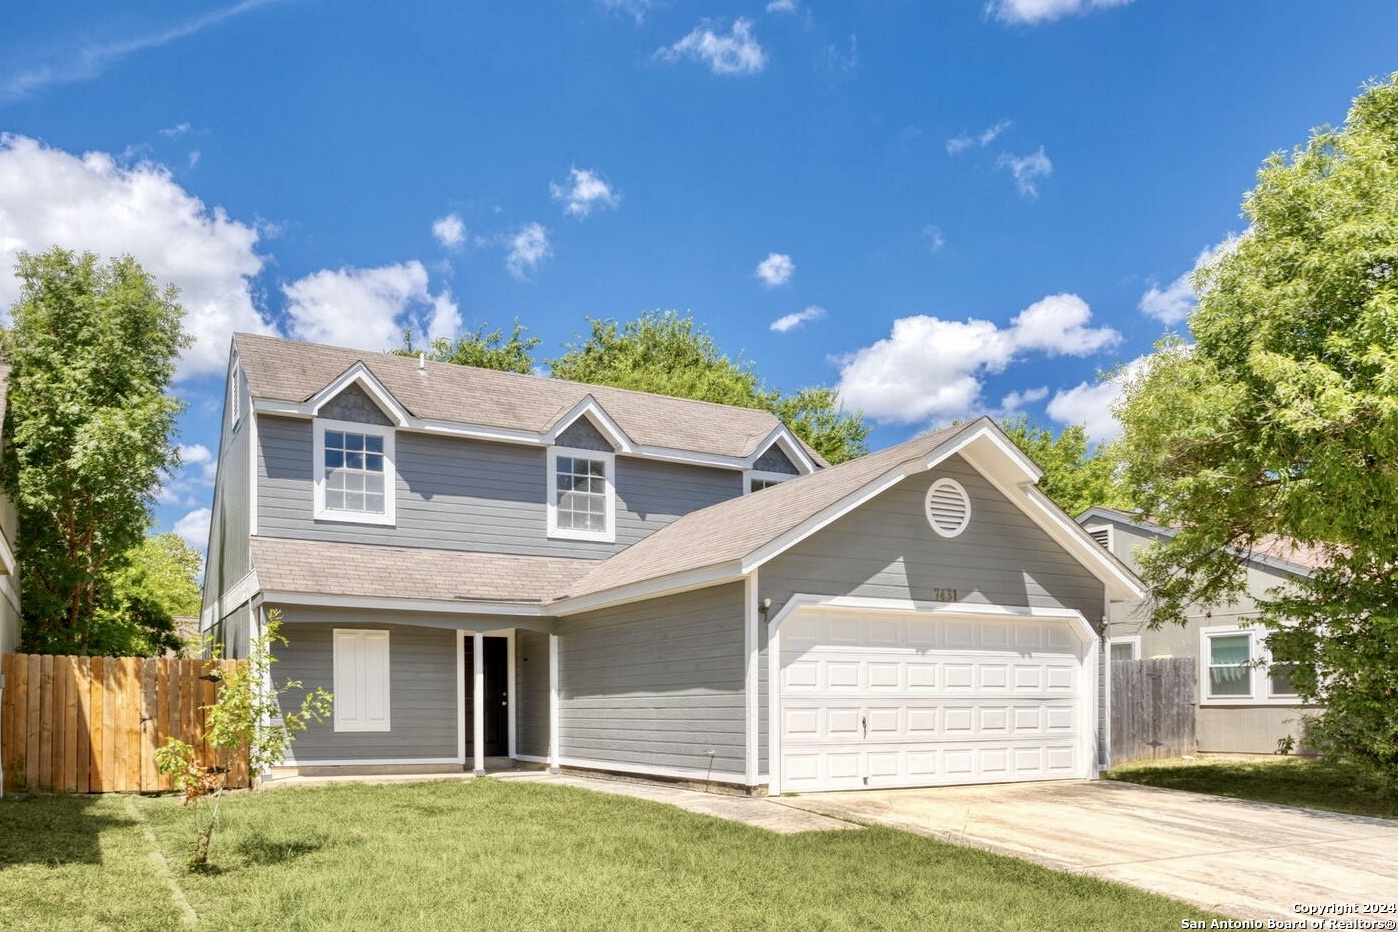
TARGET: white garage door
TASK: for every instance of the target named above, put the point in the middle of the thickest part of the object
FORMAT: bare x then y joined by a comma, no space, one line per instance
882,700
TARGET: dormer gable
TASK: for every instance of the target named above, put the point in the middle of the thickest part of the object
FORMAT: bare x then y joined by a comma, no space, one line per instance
355,395
778,458
587,426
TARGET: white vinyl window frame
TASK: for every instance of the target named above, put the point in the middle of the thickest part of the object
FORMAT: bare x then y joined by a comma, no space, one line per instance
319,472
755,480
361,679
1253,675
1132,644
558,528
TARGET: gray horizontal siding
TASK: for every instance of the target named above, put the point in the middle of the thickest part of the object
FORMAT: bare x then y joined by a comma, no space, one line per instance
531,694
422,693
472,495
657,684
886,549
230,557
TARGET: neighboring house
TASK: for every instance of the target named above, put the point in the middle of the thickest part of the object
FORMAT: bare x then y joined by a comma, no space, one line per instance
484,564
1244,703
9,526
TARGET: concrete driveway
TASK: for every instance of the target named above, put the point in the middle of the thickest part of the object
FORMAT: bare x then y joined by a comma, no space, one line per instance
1249,860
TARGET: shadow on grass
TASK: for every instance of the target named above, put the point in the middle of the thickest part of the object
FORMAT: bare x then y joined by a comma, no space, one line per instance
260,849
53,830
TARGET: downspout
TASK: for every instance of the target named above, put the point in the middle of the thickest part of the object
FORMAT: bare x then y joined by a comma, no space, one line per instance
1105,664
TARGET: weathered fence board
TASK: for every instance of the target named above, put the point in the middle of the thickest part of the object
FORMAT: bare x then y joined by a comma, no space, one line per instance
1153,709
93,724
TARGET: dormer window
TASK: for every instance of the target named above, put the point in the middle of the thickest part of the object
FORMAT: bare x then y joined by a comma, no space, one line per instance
581,495
354,479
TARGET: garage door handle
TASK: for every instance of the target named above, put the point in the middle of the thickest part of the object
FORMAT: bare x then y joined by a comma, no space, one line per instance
864,724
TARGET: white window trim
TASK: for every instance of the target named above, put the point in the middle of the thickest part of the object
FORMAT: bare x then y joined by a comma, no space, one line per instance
1259,675
607,535
1134,640
390,474
352,686
751,474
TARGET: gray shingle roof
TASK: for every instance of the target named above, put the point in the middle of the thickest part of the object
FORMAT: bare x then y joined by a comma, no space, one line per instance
290,371
370,571
737,528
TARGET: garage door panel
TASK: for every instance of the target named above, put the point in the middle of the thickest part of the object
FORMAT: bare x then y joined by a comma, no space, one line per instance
916,701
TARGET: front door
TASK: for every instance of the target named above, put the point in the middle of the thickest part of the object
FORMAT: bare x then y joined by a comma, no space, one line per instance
496,657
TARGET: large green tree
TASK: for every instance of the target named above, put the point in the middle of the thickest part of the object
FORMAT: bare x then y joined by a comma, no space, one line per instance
1280,421
669,354
479,348
142,595
1077,473
88,431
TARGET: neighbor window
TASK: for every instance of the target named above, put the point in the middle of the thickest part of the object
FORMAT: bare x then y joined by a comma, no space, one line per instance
354,472
1126,648
361,680
1237,667
581,495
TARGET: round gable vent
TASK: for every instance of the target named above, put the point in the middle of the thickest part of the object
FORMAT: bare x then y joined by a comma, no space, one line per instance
948,507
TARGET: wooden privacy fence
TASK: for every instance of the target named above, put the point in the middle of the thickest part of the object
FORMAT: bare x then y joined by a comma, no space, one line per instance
1153,709
92,724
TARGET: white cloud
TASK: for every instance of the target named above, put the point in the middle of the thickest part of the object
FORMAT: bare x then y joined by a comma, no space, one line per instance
1026,169
984,138
781,6
528,248
449,231
70,65
1172,304
367,308
636,9
796,319
1042,11
1090,403
1014,402
776,269
935,239
92,203
585,192
931,369
196,454
736,53
194,528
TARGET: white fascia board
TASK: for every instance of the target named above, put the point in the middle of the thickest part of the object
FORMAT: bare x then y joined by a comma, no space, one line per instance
7,557
594,412
1122,584
673,584
445,606
236,594
795,451
844,506
360,373
507,435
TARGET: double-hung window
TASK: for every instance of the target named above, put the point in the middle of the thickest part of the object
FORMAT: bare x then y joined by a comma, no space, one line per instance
354,476
581,495
1237,668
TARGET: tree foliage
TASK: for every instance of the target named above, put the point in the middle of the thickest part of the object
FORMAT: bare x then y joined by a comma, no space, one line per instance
141,597
1077,473
478,348
669,354
88,431
1281,421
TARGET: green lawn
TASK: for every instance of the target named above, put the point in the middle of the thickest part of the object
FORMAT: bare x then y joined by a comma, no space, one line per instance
1292,781
488,854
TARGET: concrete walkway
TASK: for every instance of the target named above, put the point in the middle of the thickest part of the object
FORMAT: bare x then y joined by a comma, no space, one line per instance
1244,859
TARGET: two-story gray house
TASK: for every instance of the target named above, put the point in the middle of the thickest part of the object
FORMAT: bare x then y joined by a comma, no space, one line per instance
485,565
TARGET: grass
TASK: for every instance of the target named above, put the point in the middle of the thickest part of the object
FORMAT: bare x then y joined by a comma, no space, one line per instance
1291,781
488,854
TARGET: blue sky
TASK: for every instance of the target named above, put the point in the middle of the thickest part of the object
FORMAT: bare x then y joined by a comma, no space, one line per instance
942,208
